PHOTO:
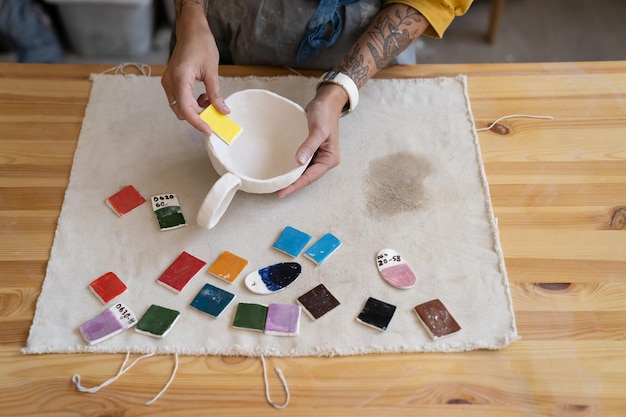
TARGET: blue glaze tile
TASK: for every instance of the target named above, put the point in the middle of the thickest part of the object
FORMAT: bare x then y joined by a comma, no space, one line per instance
292,241
212,300
323,248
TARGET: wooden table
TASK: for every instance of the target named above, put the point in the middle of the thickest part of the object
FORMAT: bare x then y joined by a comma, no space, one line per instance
555,184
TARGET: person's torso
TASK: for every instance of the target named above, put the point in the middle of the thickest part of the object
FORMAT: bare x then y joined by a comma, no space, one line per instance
269,32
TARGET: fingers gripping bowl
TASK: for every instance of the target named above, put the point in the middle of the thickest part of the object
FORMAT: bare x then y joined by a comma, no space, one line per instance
262,159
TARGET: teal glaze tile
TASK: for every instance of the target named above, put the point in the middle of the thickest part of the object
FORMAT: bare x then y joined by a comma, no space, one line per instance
292,241
212,300
157,321
250,316
323,248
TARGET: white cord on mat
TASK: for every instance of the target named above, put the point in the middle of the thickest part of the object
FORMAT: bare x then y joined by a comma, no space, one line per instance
511,116
267,388
122,371
144,69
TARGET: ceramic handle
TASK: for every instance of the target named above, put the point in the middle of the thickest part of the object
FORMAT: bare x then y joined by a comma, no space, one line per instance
217,200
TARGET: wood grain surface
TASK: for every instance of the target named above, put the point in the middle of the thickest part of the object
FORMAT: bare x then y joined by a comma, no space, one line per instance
556,186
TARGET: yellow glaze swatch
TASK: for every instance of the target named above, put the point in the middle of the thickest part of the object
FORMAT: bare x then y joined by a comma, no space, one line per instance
228,266
222,125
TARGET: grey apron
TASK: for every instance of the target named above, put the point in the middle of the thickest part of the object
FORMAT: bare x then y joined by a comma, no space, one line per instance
269,32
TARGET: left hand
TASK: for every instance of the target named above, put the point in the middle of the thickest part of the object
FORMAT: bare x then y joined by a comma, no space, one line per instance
322,144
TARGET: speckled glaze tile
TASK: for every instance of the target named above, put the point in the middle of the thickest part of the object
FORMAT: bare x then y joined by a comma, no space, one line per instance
318,302
436,319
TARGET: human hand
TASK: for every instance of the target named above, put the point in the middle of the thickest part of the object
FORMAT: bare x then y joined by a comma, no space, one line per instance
194,58
322,144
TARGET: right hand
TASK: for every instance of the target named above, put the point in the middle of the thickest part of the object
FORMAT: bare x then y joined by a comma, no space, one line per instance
194,58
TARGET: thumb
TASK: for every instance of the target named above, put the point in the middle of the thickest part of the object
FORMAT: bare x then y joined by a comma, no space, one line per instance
310,145
214,95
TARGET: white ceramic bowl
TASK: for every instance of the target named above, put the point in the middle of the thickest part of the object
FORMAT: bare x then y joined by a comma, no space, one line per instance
263,158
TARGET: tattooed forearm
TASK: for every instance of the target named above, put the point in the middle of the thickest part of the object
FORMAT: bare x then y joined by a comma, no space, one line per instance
391,34
392,31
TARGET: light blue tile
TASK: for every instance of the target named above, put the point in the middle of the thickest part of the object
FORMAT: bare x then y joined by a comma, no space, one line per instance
292,241
323,248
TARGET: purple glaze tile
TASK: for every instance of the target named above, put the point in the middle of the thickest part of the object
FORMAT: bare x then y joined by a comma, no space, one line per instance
283,319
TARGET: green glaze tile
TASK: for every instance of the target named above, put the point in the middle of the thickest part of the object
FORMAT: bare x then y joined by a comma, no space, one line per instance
157,321
250,317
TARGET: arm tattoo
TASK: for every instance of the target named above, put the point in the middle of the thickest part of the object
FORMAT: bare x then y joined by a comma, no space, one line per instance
353,65
391,34
385,38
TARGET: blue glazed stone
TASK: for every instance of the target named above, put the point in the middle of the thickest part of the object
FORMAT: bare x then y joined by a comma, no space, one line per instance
323,248
273,278
292,241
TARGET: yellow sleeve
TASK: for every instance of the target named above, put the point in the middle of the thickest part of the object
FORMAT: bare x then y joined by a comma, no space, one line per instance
439,13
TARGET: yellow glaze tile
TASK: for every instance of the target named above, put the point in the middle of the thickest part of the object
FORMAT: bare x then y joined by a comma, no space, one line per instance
228,266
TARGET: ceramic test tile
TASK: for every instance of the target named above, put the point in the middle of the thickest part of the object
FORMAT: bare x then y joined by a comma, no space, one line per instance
157,321
318,302
273,278
394,270
228,266
107,287
283,320
212,300
376,314
168,212
250,316
436,319
125,200
180,272
291,241
107,324
323,248
223,126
